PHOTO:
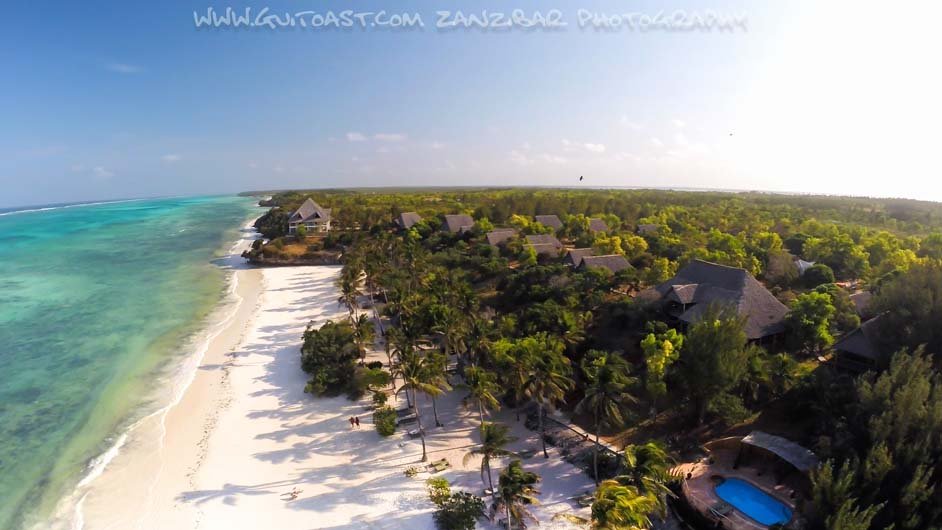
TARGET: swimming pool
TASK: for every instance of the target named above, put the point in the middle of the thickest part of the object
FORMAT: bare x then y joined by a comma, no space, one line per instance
755,503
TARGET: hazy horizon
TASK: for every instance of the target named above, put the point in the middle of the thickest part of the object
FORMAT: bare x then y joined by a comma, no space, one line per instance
114,100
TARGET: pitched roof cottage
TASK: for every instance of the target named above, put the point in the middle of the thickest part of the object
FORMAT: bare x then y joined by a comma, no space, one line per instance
311,216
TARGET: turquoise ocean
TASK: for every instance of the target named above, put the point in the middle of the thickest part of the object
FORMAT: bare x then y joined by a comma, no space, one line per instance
96,301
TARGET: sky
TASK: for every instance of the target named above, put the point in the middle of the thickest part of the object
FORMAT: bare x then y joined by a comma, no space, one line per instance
103,100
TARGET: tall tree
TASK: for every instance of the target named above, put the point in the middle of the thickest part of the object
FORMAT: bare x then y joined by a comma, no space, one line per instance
482,389
363,333
808,323
621,507
516,491
494,440
549,378
715,357
413,371
606,394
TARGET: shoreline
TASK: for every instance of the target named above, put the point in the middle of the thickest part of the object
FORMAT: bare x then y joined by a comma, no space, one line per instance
176,379
243,434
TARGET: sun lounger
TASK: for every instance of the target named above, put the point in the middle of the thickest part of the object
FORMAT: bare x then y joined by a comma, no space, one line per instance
415,433
439,465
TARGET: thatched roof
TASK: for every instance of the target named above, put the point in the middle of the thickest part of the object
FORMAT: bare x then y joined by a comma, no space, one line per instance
802,459
597,225
500,235
551,221
546,249
457,223
861,302
863,341
574,256
702,283
544,239
612,262
309,210
648,229
407,220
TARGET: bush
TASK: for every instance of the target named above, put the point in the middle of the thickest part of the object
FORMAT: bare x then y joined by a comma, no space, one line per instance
816,275
385,420
439,490
460,511
729,408
379,399
329,355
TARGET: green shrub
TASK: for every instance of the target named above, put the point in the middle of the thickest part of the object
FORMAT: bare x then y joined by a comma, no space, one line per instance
379,399
439,491
460,511
385,420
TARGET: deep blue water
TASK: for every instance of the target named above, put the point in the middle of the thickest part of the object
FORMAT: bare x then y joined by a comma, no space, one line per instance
94,301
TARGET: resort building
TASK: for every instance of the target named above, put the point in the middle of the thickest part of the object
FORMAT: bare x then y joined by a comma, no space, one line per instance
747,483
575,255
648,229
861,302
500,236
407,220
545,244
861,350
701,284
597,225
457,223
612,262
551,221
311,216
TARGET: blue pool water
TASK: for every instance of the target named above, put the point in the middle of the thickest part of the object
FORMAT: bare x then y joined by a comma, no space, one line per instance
755,503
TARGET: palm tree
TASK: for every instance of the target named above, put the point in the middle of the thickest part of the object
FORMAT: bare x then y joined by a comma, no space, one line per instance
349,292
412,369
482,389
606,394
549,377
517,490
435,364
649,468
621,507
363,334
494,437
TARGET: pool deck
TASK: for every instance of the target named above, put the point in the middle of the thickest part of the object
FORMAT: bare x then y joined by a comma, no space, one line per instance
700,493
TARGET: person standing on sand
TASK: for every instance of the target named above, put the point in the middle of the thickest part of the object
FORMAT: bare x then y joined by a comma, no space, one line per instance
351,420
357,420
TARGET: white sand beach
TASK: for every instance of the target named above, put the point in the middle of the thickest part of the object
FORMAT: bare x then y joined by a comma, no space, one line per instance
244,435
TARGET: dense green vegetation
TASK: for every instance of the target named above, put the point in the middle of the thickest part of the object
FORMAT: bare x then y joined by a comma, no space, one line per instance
530,333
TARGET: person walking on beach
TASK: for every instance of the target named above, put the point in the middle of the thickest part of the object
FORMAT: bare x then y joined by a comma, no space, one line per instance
357,420
351,420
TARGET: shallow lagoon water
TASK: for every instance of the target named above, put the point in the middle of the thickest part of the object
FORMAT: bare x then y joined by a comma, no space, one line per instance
96,301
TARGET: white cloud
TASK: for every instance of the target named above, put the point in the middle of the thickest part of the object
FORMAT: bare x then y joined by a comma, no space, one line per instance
171,158
523,159
355,137
102,173
630,124
389,137
253,165
124,68
680,124
437,145
575,146
656,142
